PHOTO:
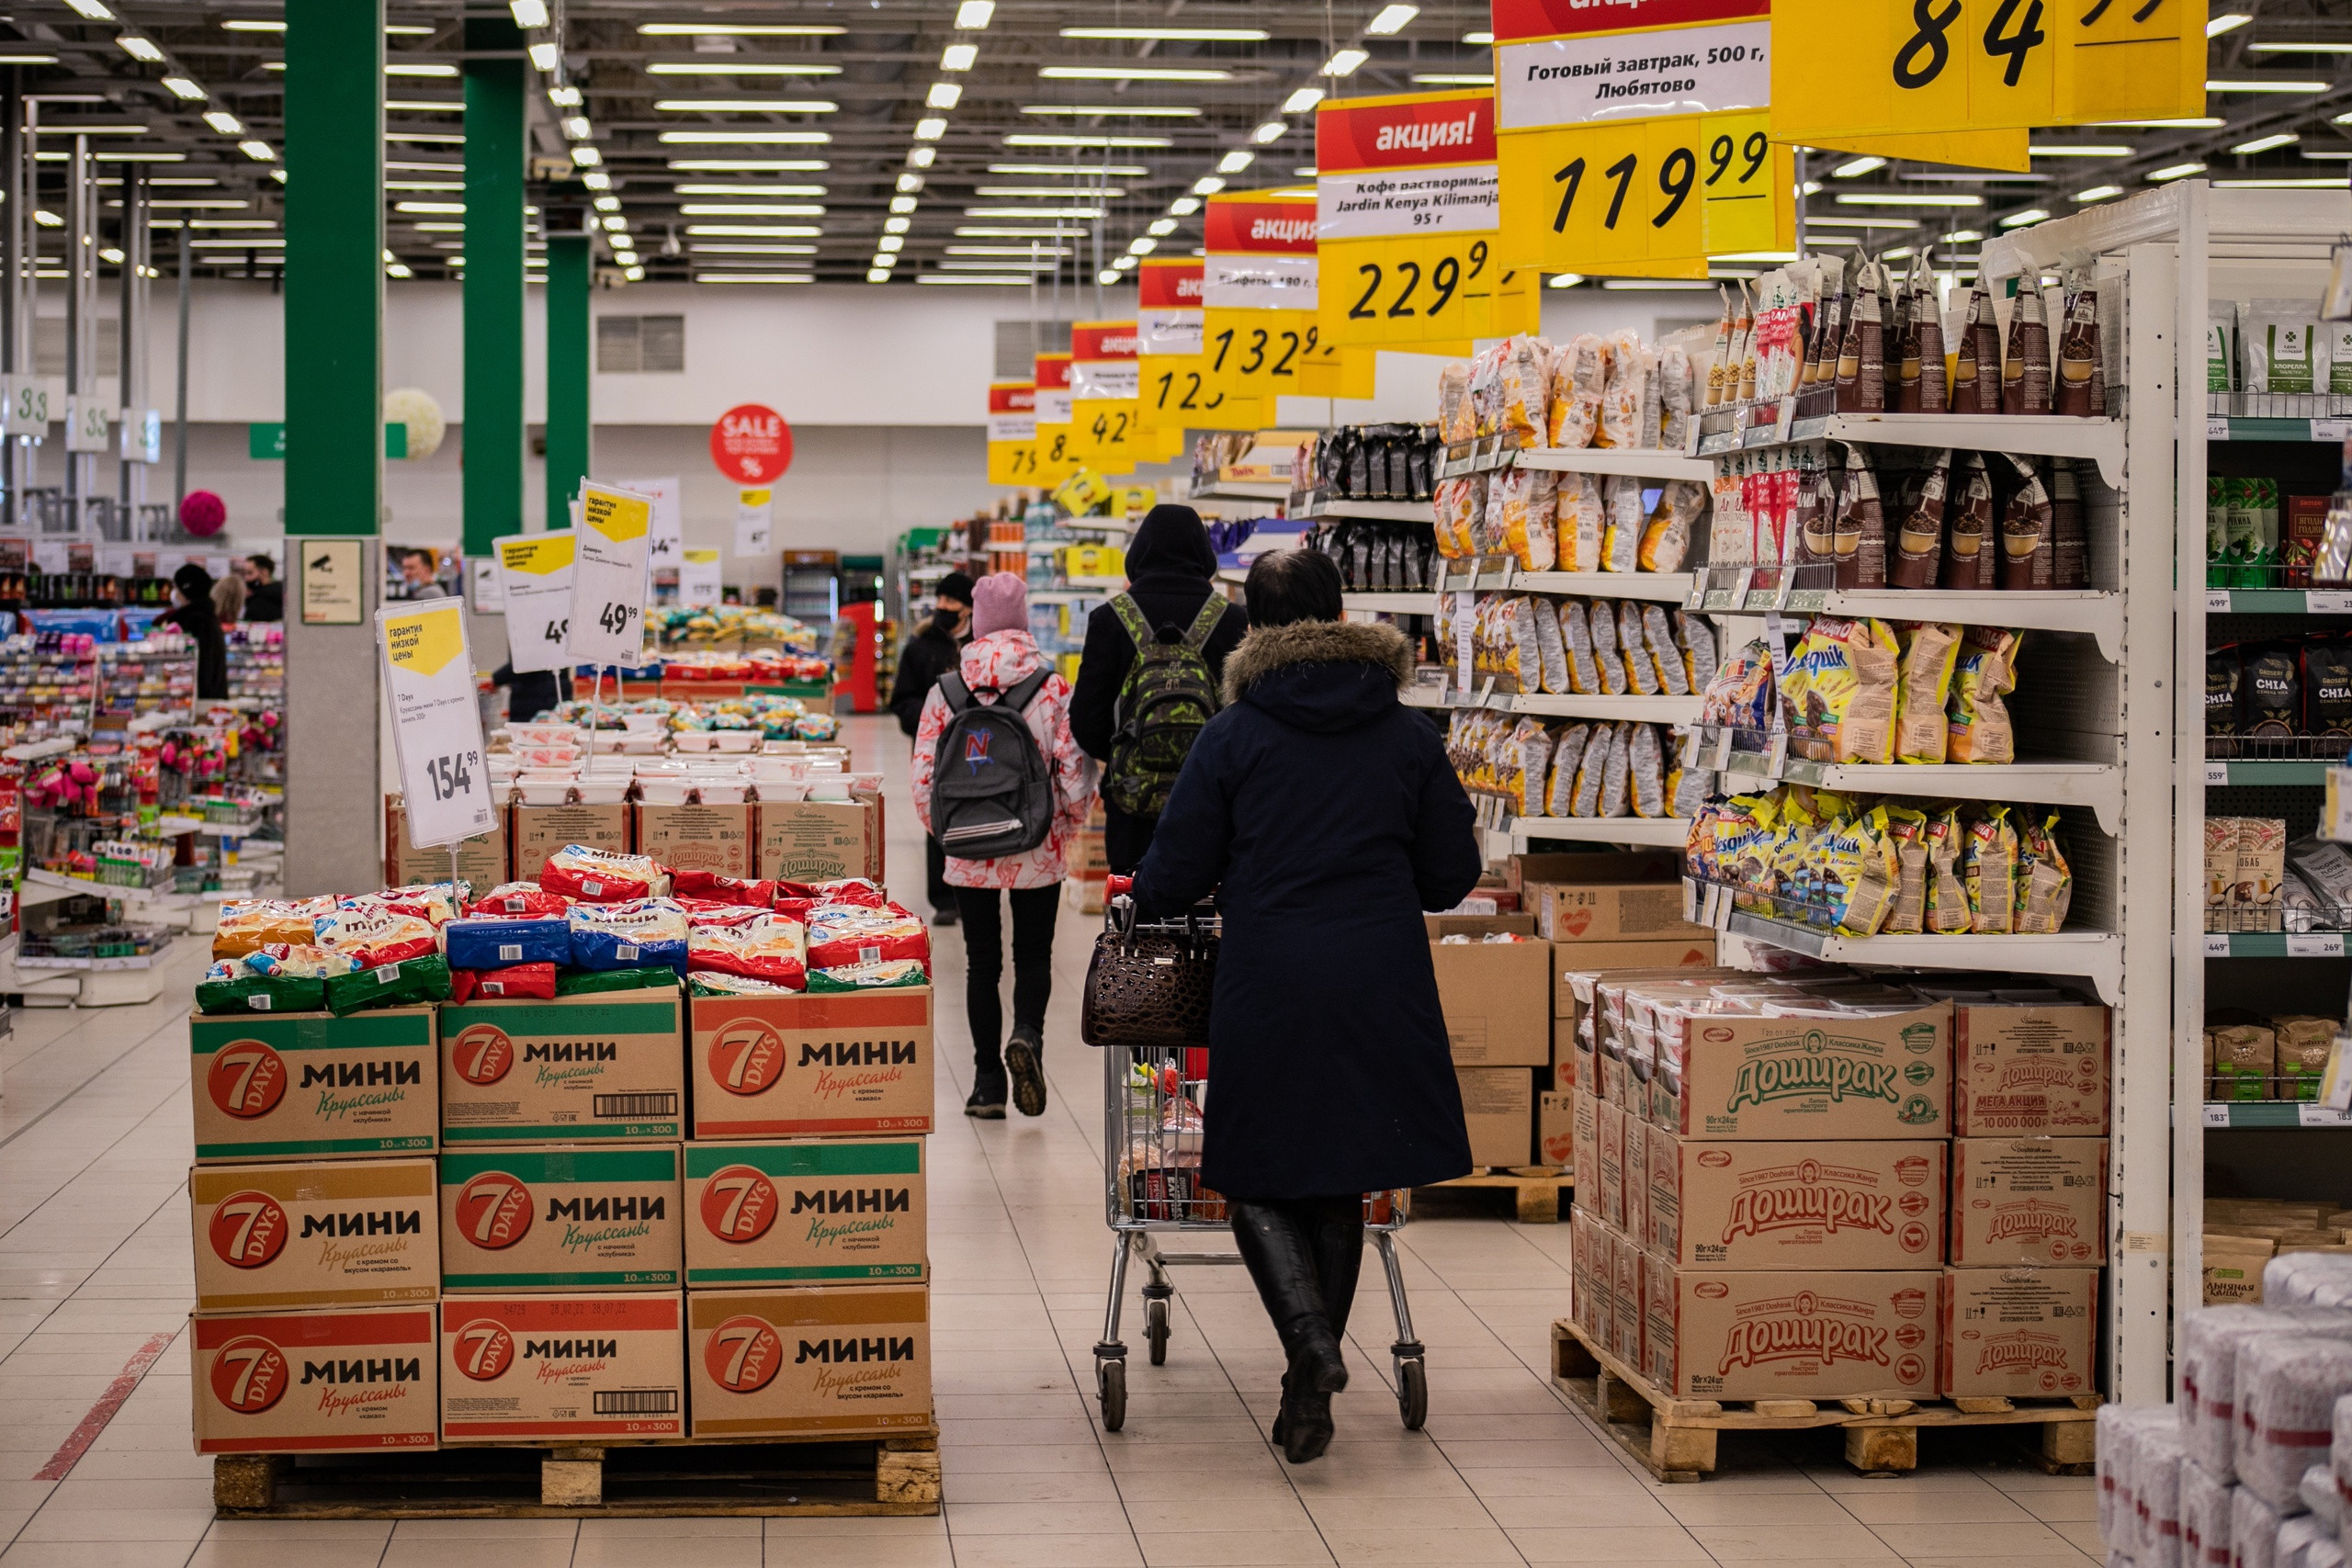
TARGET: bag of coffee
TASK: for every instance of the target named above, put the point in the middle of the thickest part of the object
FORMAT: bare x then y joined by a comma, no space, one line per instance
2224,674
1861,526
1862,358
2028,550
1969,544
1903,351
1920,538
1935,395
2025,369
2071,559
2078,355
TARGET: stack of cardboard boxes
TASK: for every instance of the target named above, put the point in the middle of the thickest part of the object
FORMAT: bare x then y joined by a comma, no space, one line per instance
649,1217
1090,865
1776,1206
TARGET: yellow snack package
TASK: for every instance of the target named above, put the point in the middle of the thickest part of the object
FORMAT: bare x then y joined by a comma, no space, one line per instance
1930,651
1947,913
1858,875
1981,730
1849,696
2045,884
1989,869
1906,830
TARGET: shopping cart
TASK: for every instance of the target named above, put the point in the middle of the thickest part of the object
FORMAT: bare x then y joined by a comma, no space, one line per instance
1151,1157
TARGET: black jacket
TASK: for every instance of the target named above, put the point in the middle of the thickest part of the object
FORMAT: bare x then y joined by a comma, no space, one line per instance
529,693
929,654
265,601
1326,817
197,619
1169,572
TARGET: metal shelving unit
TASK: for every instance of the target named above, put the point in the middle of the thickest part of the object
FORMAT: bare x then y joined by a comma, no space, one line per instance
1668,832
1635,462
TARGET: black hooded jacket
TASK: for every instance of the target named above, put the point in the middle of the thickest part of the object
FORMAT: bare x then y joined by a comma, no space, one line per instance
1170,570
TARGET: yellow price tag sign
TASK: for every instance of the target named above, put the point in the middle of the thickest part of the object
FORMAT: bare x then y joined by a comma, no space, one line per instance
1057,457
1335,370
1257,355
2133,59
1436,290
617,514
1176,395
1619,198
1104,431
1014,463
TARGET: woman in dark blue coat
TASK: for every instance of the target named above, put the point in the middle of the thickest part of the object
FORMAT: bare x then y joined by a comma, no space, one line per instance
1324,815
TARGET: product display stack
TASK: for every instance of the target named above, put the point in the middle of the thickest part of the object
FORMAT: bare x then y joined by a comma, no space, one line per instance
623,1154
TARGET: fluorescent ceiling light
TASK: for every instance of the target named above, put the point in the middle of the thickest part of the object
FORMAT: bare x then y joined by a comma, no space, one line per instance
1041,266
1648,284
744,105
20,58
576,126
1344,62
198,203
1565,279
903,204
1064,171
440,227
2334,184
753,277
259,152
747,188
606,204
965,277
892,242
943,96
745,165
909,183
243,244
1233,162
1184,207
2098,192
2079,150
1175,35
224,123
2019,220
437,208
633,273
876,275
958,56
140,49
2298,49
1906,199
1132,73
1304,172
719,66
725,29
250,25
1010,251
181,87
920,157
1455,78
597,179
1857,166
232,223
2182,171
1207,184
427,106
2314,155
409,133
2265,143
1038,139
746,135
974,15
1080,212
734,250
1128,264
1132,111
1392,20
1489,39
419,68
1272,130
432,185
584,156
929,129
2228,21
396,30
1051,193
1302,100
756,209
1162,227
1962,237
529,13
2241,84
1836,222
2208,122
1057,232
564,97
542,55
897,225
755,230
1107,276
1142,245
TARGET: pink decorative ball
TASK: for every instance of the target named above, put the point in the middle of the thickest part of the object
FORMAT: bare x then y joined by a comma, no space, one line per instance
203,512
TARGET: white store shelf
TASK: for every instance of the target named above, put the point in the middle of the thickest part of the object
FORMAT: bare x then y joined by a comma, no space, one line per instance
2095,956
1245,490
2037,434
2097,785
1372,511
1670,831
1423,603
1637,461
1499,573
1647,710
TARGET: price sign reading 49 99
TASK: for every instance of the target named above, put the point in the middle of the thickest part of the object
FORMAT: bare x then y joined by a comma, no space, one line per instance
608,577
436,722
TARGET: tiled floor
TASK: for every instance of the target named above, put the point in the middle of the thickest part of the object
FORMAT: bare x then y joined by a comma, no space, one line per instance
94,1266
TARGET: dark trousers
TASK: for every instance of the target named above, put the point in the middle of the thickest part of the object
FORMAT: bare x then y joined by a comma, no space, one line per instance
935,866
1033,964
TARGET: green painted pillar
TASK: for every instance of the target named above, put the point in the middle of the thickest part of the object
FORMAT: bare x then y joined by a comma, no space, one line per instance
495,156
335,269
568,264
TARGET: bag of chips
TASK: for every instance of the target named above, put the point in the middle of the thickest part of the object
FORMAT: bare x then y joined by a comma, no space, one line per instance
1580,372
1604,649
841,934
1696,637
766,947
497,943
1989,870
1666,538
430,901
1930,651
1526,388
1575,643
1641,669
887,975
375,937
711,884
1567,752
534,982
248,923
1456,419
603,876
1617,772
279,977
1593,768
632,934
1621,391
1453,503
1579,523
2045,884
1978,720
585,981
713,983
1621,524
400,984
509,900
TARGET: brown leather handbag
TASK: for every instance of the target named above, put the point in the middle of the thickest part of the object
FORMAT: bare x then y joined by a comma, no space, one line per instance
1149,988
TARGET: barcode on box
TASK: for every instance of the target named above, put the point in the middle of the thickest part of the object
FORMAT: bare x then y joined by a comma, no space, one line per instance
631,1107
637,1402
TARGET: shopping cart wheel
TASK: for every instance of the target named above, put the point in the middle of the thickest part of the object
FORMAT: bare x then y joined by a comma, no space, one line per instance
1111,1387
1412,1393
1155,1328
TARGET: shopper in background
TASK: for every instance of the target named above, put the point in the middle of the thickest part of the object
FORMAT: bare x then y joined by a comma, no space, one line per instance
1325,818
1171,575
417,580
531,692
929,654
229,599
1001,656
192,612
265,595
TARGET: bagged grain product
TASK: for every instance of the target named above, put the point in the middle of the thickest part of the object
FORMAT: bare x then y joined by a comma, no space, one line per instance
1645,766
1567,752
1576,640
1549,648
1989,868
1579,373
1696,637
1526,385
1603,620
2157,1455
1930,651
2308,1279
1456,420
1665,537
1617,772
1591,770
1454,503
1676,395
2204,1519
2253,1529
2245,1059
2318,1492
2233,1267
2304,1045
1579,523
2288,1386
2115,1425
1979,727
2210,1342
1621,391
1621,524
2299,1540
1658,636
1633,643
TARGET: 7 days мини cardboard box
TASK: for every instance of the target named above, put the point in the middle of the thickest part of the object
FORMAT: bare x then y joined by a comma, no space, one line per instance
315,1232
835,1066
828,1210
315,1381
594,1217
832,1359
308,1085
607,1066
567,1367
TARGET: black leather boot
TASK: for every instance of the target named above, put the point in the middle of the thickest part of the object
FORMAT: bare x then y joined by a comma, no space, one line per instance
1276,1248
1338,1245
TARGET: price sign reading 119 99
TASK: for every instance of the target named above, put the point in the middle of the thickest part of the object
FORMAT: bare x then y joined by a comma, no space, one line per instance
608,577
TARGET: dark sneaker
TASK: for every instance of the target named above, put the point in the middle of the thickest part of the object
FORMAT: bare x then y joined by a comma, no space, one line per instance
986,1102
944,917
1024,1059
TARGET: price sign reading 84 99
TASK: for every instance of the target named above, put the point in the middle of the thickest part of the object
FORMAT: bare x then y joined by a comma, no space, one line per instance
608,577
436,722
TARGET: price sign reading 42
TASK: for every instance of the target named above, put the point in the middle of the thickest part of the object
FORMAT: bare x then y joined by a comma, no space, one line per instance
436,722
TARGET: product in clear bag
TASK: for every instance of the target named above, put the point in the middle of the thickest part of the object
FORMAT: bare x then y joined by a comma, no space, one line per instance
1978,719
734,889
632,934
1580,371
1486,527
1537,547
1567,752
883,974
1632,642
1550,651
373,937
1579,523
2287,1385
2318,1492
1645,770
2045,883
2253,1529
1989,870
1930,651
579,872
2209,1341
1696,637
1657,633
510,900
1675,399
1653,413
1622,525
1457,418
1526,386
1454,506
1575,638
1719,363
768,946
1591,771
2158,1458
1617,773
1530,745
429,901
1603,620
247,923
1687,789
1621,393
1665,537
1522,668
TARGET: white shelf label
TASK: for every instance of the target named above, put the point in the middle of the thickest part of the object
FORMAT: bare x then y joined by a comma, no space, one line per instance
2217,600
535,573
2315,944
2217,944
2335,602
436,722
2217,429
2216,773
2308,1115
2332,430
2217,1116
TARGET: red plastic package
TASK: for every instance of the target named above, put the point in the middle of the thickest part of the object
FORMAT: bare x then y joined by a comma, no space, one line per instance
535,981
766,947
603,876
855,891
843,934
510,900
719,912
686,885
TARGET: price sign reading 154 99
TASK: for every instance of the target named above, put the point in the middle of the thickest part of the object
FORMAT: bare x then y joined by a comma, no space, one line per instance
436,722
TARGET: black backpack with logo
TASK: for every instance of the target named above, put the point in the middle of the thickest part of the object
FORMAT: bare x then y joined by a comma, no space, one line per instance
991,789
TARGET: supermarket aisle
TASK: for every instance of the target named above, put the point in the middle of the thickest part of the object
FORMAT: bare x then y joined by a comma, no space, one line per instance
94,1277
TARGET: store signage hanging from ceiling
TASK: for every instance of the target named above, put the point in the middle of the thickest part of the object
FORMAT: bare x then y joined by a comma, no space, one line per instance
752,445
1104,428
1258,289
1171,375
1407,213
1050,377
1012,433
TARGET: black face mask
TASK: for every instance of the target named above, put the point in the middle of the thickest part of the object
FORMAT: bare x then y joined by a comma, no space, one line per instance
945,619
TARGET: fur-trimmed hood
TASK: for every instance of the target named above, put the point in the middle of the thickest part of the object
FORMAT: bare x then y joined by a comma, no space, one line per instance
1269,649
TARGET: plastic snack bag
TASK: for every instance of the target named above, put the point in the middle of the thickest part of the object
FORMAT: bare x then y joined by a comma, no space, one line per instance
1591,770
587,982
372,938
1456,421
885,975
579,872
1550,651
1653,414
1530,747
248,923
532,981
1456,502
1849,682
1579,374
481,943
509,900
843,934
1979,721
767,946
711,884
1906,830
1640,668
1674,401
1538,547
1989,870
1696,637
1622,525
1859,873
1604,649
1526,385
1645,766
403,983
1579,520
717,983
1560,796
1621,393
1665,537
1930,651
1576,640
1657,633
1617,773
1947,900
2045,884
635,933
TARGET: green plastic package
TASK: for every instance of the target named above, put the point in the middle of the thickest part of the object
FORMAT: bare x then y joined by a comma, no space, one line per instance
411,980
580,982
261,993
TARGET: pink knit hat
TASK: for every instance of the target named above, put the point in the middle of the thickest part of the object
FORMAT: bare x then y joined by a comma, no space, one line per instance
1000,603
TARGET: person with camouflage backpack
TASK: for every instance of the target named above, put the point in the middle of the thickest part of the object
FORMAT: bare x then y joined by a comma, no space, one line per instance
1142,695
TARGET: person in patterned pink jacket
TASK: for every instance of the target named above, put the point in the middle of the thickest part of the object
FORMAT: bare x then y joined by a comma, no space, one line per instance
1001,656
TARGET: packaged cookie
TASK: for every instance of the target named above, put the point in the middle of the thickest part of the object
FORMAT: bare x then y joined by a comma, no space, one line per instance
1930,651
1978,720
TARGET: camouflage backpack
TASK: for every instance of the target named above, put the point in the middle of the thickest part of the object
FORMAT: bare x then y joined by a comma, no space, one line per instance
1168,695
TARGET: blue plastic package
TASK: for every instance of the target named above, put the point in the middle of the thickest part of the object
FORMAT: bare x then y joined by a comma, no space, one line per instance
638,933
500,944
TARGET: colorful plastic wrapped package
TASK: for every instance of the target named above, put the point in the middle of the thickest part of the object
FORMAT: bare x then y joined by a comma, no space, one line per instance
375,936
733,889
534,981
585,981
579,871
497,943
390,985
509,900
767,946
841,934
887,975
632,934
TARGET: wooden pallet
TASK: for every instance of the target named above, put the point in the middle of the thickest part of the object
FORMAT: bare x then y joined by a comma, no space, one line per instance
1538,1189
896,1474
1675,1438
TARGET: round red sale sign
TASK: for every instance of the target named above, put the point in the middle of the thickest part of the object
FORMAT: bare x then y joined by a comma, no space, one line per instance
752,445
